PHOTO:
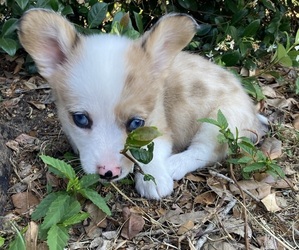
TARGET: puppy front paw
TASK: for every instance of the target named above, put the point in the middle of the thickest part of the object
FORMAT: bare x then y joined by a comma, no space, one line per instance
150,190
175,167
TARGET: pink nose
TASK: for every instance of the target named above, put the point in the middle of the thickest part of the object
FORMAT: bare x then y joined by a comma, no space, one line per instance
109,173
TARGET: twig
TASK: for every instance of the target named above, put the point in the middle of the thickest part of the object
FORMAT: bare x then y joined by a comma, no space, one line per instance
211,226
244,207
136,164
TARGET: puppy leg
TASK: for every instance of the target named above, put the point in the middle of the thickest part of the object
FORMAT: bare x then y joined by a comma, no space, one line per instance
203,151
158,170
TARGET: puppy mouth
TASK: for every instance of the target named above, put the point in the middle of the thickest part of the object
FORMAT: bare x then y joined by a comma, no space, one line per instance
108,176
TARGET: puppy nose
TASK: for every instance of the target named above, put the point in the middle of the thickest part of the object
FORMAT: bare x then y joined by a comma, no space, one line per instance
109,173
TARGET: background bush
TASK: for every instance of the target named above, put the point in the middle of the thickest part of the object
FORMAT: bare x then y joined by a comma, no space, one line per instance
233,32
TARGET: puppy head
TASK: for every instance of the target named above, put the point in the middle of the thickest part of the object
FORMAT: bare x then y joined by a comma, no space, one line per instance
105,86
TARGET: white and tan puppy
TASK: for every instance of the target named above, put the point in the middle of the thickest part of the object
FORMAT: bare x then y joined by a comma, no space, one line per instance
106,86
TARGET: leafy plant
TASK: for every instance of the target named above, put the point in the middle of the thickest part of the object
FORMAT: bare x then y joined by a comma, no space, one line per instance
60,210
242,151
141,146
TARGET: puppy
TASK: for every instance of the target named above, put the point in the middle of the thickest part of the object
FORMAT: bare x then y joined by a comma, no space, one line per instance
106,86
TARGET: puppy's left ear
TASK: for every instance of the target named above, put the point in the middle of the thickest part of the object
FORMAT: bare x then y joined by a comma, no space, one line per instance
167,38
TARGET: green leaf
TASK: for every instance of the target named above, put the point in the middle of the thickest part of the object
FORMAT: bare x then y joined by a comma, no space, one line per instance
203,29
97,14
269,5
277,169
238,16
231,58
138,20
2,240
60,165
96,199
286,61
297,38
67,10
75,219
188,4
42,209
253,88
73,185
9,27
148,177
57,237
22,3
252,28
297,86
88,180
257,166
142,136
132,34
247,147
18,243
143,155
56,211
72,208
8,45
281,51
222,120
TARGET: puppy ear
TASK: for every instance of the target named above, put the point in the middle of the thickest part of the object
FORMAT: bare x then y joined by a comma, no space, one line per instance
48,38
167,38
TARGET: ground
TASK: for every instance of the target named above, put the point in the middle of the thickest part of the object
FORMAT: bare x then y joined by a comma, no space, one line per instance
205,211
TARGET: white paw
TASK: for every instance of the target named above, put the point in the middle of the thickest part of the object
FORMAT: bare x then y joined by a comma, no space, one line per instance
176,168
150,190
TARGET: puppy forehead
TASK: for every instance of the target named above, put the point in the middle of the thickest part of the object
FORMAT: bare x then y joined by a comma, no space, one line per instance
97,71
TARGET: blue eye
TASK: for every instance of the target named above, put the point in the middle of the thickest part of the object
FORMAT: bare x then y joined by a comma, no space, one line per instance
82,120
134,123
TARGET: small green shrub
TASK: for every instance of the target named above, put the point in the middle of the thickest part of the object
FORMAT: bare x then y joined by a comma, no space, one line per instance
60,210
243,152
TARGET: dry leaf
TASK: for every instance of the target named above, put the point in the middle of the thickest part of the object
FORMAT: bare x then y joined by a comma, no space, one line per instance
31,236
25,139
258,189
180,219
12,102
97,221
185,227
296,122
268,91
236,226
206,198
270,203
281,103
219,189
219,245
195,178
38,105
13,145
23,201
133,225
268,242
271,147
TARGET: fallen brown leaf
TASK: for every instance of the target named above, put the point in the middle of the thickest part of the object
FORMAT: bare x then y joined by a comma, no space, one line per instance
271,147
270,203
206,198
23,201
133,225
185,227
258,189
296,122
195,178
31,236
